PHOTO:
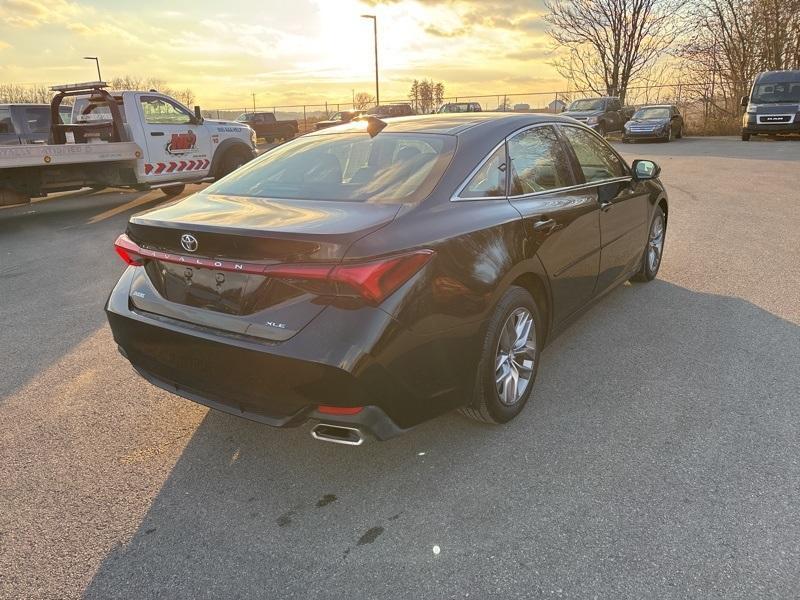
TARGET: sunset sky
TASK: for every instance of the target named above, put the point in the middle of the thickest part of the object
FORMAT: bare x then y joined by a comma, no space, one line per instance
287,52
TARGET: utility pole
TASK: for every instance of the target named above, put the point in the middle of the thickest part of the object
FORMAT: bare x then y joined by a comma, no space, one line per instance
97,61
375,33
254,102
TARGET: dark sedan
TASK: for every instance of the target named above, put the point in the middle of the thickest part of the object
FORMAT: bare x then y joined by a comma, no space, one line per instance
374,276
662,122
339,118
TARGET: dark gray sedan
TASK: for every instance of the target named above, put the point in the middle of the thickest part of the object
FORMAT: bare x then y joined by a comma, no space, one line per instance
657,122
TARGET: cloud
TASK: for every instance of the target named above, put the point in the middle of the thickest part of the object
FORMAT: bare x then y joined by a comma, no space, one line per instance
30,13
4,45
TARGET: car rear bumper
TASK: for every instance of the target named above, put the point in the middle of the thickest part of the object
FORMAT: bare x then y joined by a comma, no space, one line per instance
344,358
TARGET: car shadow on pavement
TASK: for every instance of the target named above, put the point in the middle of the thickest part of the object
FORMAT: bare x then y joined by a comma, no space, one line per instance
664,425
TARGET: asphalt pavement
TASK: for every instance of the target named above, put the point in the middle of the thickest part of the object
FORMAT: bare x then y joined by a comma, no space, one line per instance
658,458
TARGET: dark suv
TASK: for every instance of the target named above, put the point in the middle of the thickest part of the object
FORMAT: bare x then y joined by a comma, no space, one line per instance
24,123
601,114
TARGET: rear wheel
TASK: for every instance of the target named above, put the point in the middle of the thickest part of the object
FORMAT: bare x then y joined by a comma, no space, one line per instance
651,261
10,197
679,134
170,191
509,359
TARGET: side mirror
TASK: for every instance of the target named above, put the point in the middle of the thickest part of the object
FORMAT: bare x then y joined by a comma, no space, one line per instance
198,116
645,169
743,101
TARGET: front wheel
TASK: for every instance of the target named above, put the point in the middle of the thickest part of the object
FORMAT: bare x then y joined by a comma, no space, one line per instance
601,129
232,160
745,136
651,261
170,191
509,359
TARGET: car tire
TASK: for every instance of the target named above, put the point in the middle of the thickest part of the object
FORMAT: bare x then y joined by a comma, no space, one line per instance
654,249
745,136
601,129
269,140
625,140
170,191
232,160
679,135
516,323
11,197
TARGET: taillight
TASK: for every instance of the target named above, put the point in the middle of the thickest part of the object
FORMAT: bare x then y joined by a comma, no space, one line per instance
374,280
128,251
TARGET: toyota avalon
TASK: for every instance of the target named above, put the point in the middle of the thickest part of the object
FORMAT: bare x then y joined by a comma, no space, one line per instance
373,275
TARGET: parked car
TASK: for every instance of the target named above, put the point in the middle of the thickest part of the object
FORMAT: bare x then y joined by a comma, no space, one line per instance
459,107
659,121
369,279
773,106
601,114
24,123
344,116
268,127
390,110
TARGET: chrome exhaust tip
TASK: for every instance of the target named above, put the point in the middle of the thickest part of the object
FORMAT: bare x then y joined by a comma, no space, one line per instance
350,436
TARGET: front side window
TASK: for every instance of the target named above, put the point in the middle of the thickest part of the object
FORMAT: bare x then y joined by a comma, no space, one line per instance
538,162
490,179
597,160
159,111
391,168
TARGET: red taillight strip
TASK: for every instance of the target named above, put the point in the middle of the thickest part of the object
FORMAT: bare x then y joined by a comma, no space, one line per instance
130,247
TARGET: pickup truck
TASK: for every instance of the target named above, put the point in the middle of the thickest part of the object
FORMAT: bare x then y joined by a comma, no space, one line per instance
133,139
24,123
268,127
601,114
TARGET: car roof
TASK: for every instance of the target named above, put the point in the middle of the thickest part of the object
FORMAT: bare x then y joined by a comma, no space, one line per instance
656,106
453,123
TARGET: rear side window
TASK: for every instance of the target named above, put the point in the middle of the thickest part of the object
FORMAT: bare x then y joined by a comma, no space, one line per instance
490,179
391,168
538,162
596,158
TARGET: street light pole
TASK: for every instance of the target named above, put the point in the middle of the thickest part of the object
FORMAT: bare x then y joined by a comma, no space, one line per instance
96,60
375,32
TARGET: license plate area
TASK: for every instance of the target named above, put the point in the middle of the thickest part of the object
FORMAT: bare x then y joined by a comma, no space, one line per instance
199,287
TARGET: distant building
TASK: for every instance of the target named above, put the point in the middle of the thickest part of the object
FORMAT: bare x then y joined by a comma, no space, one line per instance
556,106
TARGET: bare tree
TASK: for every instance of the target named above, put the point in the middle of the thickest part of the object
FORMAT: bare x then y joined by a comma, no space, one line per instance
607,44
363,100
16,93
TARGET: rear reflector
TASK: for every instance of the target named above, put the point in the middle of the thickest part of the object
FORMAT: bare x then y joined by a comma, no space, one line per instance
339,410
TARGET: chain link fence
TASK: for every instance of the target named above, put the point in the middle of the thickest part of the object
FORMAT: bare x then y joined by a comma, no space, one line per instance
705,109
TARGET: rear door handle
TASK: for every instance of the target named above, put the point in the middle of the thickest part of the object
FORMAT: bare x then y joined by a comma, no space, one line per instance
545,225
156,133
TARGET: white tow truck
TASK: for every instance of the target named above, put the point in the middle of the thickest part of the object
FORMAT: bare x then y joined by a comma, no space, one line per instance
139,140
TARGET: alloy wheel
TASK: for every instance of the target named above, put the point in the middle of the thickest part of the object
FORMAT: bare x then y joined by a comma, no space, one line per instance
516,354
655,243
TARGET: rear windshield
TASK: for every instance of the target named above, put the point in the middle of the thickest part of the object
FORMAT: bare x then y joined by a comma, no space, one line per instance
391,168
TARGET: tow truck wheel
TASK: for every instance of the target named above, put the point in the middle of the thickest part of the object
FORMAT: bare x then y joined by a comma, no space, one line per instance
170,191
10,197
233,159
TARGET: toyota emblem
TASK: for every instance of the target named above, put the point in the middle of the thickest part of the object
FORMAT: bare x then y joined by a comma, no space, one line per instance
189,242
